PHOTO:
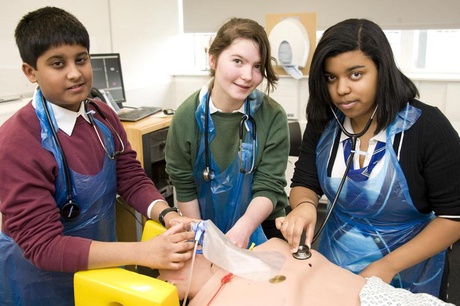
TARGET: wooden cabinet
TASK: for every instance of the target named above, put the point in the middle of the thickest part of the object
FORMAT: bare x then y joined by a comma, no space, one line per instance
128,229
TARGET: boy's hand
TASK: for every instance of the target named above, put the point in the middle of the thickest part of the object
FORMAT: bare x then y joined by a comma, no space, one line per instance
170,250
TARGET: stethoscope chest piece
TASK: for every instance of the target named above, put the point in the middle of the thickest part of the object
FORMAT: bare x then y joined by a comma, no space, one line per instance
208,174
302,253
70,211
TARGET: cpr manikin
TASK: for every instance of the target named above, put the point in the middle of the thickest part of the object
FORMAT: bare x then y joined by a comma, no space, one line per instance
287,281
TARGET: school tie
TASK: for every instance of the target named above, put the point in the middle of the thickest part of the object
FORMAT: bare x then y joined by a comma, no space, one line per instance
359,175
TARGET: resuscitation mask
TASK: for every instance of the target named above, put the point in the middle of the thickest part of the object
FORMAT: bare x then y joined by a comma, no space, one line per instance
218,249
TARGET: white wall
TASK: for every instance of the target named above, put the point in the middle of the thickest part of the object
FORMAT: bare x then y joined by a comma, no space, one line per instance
390,14
12,81
142,31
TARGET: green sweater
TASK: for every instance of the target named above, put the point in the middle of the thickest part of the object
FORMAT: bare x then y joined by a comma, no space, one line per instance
273,150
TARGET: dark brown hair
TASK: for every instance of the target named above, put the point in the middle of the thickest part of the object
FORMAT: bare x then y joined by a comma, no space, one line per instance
246,28
48,27
394,89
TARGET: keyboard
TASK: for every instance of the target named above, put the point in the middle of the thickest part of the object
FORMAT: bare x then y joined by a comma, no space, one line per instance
135,114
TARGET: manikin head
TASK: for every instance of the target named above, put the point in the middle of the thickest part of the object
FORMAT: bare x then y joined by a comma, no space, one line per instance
202,272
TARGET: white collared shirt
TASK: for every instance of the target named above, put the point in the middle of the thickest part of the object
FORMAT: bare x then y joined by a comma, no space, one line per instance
213,109
65,118
340,165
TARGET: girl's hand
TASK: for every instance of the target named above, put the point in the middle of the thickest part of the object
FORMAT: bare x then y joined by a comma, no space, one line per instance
239,236
299,219
379,269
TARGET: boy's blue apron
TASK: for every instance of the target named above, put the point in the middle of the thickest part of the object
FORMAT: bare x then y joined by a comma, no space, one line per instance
225,199
380,219
24,284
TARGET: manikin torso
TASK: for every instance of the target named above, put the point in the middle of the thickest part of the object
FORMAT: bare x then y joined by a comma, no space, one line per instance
314,281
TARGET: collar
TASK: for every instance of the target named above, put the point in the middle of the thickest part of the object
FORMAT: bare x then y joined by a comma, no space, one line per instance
213,109
66,119
381,136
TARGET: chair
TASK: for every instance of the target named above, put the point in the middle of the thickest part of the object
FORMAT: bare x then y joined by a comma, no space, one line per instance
120,287
295,137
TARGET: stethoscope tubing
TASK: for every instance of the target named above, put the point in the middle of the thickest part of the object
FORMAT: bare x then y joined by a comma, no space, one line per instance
208,173
90,114
354,137
247,117
71,209
339,190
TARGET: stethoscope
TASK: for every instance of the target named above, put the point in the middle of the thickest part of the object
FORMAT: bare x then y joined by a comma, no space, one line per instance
303,251
71,209
208,173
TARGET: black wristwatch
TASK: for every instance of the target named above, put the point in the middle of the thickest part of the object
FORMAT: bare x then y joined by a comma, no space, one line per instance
162,215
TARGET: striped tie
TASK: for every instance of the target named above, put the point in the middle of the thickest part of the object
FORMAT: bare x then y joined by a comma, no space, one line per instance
359,175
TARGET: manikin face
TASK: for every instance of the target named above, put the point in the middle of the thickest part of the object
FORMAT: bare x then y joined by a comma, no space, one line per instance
352,84
64,75
237,74
202,272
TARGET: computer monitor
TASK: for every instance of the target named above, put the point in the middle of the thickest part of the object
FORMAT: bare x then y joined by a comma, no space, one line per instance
107,75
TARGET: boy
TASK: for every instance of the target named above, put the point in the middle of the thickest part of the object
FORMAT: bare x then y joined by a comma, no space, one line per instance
57,195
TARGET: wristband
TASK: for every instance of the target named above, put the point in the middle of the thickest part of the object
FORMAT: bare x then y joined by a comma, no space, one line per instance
165,212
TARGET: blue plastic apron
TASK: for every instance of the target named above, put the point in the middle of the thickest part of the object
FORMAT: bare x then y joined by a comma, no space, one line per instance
21,283
225,199
380,219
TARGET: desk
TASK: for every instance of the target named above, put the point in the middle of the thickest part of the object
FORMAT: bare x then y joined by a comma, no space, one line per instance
127,228
135,131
